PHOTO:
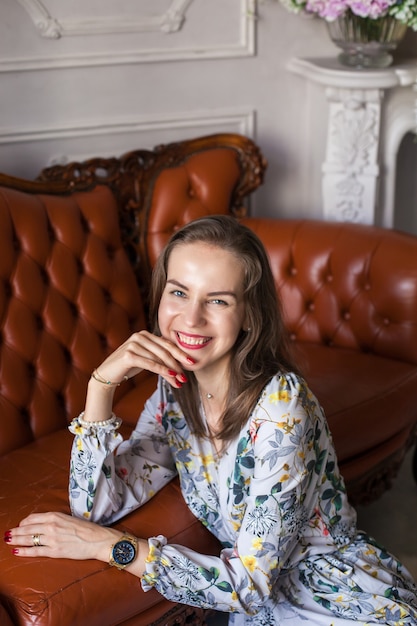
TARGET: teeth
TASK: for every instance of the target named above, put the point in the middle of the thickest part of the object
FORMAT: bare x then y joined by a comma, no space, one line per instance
192,341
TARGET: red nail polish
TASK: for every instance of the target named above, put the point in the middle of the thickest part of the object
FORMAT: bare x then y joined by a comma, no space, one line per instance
190,360
172,373
183,378
7,538
15,551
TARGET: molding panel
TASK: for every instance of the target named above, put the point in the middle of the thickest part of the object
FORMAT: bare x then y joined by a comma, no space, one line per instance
52,26
24,152
171,30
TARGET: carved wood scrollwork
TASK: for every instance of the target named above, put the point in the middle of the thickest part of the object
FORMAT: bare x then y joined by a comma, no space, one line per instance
132,176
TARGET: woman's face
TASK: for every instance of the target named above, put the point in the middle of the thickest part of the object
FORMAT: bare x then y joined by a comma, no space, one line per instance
202,308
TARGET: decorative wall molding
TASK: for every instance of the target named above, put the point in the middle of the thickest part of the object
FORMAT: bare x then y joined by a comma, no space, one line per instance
51,28
351,168
238,120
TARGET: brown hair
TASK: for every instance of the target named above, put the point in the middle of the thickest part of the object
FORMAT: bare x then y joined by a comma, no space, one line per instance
258,354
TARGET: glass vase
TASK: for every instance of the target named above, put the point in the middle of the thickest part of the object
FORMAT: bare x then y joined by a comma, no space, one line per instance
366,42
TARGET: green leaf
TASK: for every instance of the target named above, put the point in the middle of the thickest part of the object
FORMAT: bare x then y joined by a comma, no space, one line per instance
90,488
224,586
247,461
209,574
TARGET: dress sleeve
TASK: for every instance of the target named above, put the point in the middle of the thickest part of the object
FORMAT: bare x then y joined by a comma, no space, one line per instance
110,477
274,459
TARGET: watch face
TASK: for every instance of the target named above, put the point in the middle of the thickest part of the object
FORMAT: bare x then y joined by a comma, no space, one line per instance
123,552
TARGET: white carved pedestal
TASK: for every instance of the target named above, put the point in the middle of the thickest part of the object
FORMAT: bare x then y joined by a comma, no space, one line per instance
359,167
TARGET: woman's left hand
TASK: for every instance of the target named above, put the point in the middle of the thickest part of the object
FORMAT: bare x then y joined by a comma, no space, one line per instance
58,535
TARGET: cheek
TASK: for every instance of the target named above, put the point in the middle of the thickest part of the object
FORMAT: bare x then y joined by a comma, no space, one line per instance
166,313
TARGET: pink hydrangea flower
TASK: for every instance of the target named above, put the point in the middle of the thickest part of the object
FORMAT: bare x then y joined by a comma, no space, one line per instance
327,9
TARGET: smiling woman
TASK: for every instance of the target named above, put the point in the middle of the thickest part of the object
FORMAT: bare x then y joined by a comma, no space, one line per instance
256,461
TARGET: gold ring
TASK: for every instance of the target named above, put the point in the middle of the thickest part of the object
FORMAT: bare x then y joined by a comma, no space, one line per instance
36,540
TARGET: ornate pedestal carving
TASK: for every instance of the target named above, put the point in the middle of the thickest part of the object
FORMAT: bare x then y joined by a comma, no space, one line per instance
358,173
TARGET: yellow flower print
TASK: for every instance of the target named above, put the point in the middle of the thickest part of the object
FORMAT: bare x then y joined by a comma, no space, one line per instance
284,477
86,515
236,525
279,396
249,562
257,544
207,459
370,552
234,595
79,444
273,564
151,554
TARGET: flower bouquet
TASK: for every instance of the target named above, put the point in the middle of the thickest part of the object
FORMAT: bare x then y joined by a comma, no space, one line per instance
366,30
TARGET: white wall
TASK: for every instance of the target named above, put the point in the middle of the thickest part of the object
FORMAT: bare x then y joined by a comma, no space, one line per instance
113,81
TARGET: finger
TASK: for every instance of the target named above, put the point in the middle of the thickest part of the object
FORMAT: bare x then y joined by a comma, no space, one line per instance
158,355
43,518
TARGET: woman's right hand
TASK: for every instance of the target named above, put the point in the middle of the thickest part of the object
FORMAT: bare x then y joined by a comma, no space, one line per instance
145,351
141,351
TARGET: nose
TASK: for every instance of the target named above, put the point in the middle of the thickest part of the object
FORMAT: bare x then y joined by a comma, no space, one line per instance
194,314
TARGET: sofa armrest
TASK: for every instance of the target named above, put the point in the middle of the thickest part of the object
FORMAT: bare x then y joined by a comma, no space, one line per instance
62,592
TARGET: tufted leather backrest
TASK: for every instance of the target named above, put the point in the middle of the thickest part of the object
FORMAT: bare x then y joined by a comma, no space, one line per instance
345,285
75,266
202,185
68,296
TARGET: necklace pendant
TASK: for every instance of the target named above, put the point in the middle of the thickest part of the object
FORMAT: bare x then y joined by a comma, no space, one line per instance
209,396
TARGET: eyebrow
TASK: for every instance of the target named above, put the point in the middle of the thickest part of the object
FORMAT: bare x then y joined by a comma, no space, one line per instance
211,294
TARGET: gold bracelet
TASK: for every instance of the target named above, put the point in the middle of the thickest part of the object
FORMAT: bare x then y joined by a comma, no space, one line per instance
103,381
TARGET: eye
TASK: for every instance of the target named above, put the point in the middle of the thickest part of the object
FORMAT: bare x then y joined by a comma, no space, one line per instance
218,301
178,293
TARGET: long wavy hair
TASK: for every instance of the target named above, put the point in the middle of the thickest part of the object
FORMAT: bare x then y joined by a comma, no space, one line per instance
258,354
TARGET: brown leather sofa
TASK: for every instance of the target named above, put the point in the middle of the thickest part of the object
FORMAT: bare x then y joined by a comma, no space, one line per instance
76,250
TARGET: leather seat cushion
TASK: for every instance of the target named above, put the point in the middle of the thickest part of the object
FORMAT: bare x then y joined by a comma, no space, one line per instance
359,392
49,592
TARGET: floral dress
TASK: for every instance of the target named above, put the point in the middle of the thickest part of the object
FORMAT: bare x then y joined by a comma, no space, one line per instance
290,554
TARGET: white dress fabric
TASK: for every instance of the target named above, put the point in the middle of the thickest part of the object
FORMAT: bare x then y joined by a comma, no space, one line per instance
275,500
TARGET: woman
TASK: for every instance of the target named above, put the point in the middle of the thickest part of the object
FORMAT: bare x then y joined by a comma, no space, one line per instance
234,418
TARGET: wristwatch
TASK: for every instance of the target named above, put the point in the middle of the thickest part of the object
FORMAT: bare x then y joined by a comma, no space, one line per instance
123,552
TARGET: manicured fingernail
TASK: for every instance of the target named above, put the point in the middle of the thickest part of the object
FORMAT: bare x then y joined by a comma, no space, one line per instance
183,378
172,373
190,360
15,551
7,536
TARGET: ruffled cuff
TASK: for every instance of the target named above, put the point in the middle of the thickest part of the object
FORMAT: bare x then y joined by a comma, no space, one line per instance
154,562
79,426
